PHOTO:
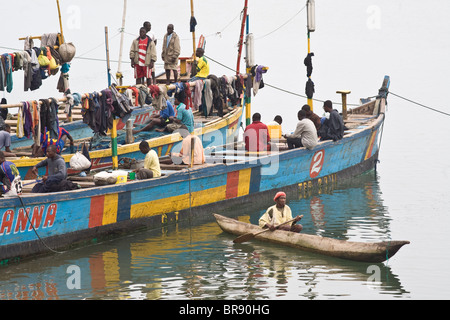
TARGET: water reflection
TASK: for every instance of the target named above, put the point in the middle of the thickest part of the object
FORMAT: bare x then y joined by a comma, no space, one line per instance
201,262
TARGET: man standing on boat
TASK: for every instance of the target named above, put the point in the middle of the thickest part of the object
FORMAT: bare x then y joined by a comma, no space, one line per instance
305,134
278,214
151,167
256,135
143,57
332,128
170,53
148,26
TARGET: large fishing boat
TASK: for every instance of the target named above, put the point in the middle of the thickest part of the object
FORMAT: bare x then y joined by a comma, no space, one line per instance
32,224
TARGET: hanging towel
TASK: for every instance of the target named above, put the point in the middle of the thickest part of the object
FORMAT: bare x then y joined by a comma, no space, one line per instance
19,130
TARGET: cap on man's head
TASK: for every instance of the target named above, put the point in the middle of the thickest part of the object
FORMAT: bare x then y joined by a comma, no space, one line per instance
279,194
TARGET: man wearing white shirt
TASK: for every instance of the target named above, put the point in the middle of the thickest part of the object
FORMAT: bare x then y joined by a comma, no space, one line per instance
305,134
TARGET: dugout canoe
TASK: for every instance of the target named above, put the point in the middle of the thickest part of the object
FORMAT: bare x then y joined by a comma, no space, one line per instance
374,252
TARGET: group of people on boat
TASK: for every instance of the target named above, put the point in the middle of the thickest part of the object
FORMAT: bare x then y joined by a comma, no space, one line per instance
143,55
310,129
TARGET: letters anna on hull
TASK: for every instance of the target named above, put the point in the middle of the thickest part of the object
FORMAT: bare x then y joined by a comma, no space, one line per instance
230,176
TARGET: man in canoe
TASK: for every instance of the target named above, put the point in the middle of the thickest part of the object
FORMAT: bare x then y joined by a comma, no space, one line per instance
278,214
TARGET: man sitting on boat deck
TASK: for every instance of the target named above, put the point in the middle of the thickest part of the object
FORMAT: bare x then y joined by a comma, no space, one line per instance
184,115
184,156
305,134
201,65
161,120
57,174
151,167
5,141
312,116
332,128
10,183
278,214
256,135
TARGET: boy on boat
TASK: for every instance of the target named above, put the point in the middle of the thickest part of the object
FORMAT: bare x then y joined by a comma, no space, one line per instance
278,214
148,26
143,57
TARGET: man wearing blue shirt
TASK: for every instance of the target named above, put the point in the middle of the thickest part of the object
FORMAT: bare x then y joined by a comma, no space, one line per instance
160,120
184,117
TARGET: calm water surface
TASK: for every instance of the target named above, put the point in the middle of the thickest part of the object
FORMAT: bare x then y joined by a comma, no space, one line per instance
202,262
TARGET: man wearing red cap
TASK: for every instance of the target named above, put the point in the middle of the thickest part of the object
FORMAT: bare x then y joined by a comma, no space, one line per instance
280,213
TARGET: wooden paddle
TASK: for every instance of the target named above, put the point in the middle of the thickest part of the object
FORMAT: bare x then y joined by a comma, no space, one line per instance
248,236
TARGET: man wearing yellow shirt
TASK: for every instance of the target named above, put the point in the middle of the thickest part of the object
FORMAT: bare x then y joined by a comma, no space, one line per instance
151,167
202,67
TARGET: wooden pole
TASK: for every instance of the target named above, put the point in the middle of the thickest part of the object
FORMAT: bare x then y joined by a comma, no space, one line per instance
119,75
192,152
61,40
114,157
241,37
248,100
309,101
107,56
344,94
193,33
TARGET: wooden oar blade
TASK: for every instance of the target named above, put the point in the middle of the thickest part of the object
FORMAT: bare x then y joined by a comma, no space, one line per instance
244,238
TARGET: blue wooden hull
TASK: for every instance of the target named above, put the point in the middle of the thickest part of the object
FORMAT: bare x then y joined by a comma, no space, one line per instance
68,218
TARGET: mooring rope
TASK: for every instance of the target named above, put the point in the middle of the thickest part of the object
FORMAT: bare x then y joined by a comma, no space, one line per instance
34,229
420,104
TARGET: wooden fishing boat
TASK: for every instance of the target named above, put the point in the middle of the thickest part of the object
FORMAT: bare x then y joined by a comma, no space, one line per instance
33,223
358,251
212,131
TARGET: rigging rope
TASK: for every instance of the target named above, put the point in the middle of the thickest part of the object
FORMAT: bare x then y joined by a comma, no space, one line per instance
419,104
